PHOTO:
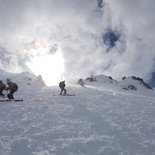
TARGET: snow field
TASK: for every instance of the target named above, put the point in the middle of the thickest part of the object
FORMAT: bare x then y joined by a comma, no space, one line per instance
94,122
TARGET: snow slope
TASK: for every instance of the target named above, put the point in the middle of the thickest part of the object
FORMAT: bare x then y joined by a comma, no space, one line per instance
96,121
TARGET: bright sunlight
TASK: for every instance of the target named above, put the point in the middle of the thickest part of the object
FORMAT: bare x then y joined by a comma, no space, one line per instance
49,66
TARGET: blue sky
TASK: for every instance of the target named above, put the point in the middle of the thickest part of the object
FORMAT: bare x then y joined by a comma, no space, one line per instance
152,82
115,38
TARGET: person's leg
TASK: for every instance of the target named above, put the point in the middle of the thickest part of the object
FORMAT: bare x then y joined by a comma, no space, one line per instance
1,92
61,91
10,95
64,91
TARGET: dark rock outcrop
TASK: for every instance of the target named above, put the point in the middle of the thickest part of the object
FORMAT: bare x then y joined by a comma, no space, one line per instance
91,79
142,82
130,87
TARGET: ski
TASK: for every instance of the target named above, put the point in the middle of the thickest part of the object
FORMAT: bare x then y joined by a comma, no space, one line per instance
7,100
65,95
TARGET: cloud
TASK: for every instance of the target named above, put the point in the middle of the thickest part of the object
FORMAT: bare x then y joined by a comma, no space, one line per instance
77,28
137,21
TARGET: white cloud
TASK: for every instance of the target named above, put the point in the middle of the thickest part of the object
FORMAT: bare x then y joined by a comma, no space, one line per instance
78,27
138,21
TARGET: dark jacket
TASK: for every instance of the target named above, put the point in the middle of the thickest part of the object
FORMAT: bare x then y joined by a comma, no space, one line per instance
2,86
62,84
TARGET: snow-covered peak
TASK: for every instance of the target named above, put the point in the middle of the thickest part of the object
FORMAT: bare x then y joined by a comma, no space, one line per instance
126,85
101,82
100,79
27,82
136,82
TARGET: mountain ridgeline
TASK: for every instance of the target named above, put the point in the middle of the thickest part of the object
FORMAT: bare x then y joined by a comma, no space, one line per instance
28,82
127,83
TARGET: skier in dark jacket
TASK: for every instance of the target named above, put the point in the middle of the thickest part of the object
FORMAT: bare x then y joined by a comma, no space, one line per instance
2,87
62,87
12,87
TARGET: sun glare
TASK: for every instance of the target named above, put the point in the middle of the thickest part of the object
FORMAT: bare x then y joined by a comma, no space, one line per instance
50,67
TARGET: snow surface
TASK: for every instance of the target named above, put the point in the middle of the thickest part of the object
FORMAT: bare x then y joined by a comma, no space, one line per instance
98,120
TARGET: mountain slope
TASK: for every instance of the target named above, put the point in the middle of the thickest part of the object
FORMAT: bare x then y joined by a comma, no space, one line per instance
94,122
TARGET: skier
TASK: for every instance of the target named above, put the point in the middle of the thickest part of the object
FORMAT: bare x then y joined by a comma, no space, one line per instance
81,82
2,87
12,87
62,87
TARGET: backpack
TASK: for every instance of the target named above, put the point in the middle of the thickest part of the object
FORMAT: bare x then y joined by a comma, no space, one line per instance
15,86
62,85
2,86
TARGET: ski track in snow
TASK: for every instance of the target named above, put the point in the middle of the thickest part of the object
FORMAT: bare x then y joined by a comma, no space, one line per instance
94,122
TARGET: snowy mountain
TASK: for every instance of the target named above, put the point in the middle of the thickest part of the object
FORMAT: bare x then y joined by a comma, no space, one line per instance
27,82
127,84
101,119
